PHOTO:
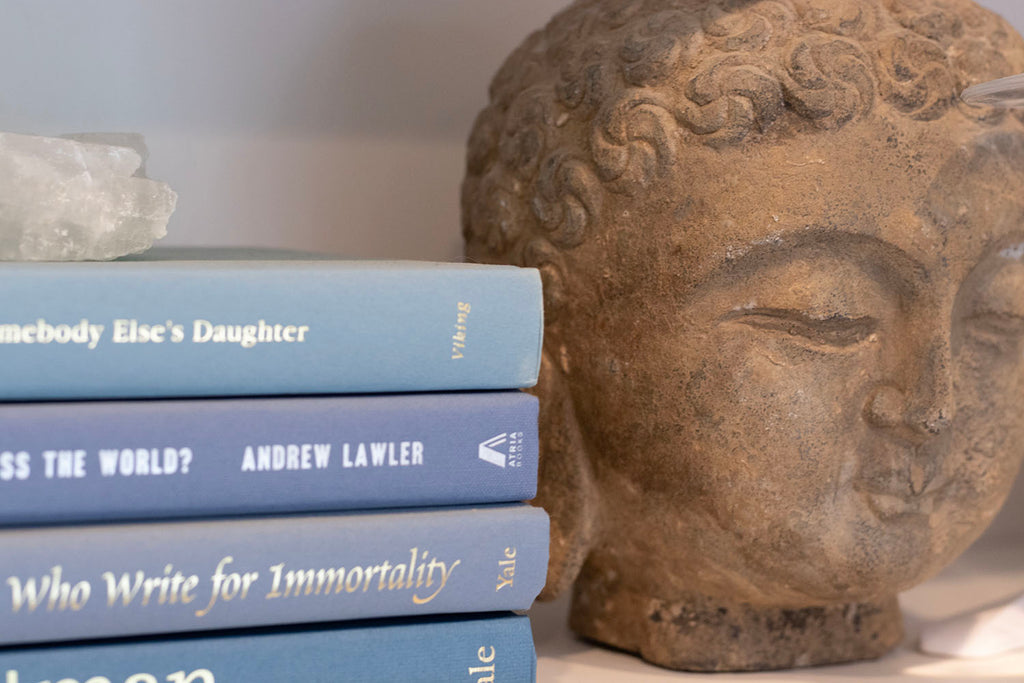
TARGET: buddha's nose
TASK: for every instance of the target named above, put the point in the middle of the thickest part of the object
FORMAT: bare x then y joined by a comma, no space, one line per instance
918,401
931,404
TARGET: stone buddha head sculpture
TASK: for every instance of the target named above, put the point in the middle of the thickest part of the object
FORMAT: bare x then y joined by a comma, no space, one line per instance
784,289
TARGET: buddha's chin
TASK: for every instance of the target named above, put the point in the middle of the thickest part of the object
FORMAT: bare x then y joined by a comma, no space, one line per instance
886,569
869,560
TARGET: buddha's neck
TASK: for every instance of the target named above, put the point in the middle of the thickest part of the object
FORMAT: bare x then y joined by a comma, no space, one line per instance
699,633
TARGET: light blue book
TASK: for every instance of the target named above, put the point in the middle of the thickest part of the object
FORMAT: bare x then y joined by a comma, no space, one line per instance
170,326
107,580
73,461
482,649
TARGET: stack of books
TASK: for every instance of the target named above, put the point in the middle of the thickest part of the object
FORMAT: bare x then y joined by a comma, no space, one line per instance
219,469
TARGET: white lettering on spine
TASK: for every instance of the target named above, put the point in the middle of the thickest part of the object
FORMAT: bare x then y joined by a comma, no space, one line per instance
277,457
247,336
197,676
382,454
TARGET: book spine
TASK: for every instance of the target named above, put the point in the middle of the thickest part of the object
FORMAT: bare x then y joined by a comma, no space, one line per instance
65,583
99,460
163,329
475,650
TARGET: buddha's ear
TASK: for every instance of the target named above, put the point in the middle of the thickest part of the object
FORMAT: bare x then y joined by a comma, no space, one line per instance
566,487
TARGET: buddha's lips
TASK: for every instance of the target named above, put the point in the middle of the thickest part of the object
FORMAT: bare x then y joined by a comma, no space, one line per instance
899,469
909,489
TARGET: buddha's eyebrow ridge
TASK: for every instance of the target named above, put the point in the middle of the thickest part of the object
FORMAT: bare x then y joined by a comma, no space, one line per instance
880,260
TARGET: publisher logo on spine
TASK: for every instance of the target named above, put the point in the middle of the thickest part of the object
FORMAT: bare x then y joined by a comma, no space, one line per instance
503,450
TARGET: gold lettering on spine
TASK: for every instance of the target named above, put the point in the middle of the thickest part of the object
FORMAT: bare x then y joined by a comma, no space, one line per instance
122,587
506,569
421,572
412,564
275,583
461,325
444,576
228,586
58,594
351,586
484,658
397,577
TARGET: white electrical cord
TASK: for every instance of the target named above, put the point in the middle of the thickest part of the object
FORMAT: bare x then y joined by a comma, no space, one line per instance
1003,92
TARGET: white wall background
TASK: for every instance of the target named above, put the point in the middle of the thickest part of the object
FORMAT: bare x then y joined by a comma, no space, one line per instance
333,125
336,125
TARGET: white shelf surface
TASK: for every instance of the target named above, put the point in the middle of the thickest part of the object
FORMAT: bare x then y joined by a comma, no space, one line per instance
986,575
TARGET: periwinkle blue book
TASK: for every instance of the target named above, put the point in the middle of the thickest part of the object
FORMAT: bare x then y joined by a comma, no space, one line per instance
110,580
73,461
472,649
190,323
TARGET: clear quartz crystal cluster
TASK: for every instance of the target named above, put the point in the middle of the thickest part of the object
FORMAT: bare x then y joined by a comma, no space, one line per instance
67,200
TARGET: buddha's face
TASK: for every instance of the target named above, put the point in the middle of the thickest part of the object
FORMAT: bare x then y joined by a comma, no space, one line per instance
799,366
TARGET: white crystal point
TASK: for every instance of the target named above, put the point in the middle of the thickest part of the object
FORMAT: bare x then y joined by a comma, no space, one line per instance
986,633
65,200
130,140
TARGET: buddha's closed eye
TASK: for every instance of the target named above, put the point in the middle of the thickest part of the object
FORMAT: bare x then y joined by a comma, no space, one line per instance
836,331
1008,324
998,329
996,315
